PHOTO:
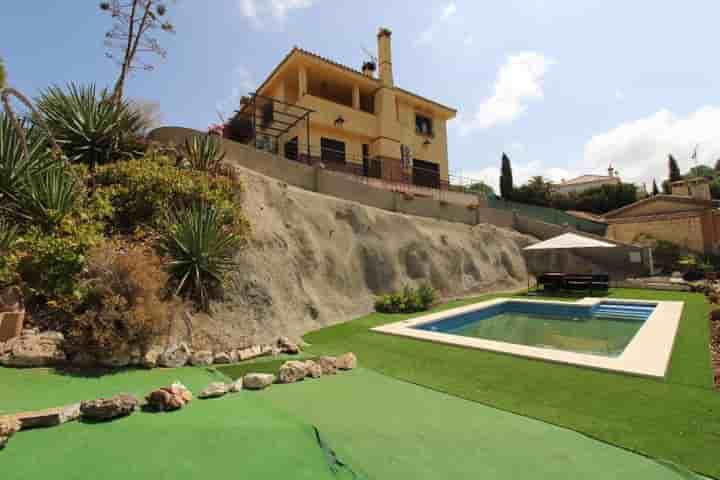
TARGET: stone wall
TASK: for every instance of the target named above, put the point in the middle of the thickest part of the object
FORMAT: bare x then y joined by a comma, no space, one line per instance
685,231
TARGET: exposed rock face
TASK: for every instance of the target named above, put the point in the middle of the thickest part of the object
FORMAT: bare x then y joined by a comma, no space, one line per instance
9,426
313,369
258,381
214,390
315,260
201,358
108,408
292,371
32,349
328,365
175,356
346,361
169,398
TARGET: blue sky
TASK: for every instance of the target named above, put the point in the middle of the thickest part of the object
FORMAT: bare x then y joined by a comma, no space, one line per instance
565,87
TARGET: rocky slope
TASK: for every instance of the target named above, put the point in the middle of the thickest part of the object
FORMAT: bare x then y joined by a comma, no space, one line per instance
316,260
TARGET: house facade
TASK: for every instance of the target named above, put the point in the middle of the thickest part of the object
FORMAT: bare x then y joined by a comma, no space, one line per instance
317,110
586,182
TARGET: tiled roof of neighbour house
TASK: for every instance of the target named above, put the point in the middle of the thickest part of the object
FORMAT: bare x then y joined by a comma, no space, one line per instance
586,179
671,198
298,50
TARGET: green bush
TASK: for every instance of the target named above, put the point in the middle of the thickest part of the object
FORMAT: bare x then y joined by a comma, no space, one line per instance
89,126
410,300
204,153
142,191
200,251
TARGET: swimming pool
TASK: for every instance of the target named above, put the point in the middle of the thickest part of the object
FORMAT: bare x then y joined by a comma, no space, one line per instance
631,336
602,329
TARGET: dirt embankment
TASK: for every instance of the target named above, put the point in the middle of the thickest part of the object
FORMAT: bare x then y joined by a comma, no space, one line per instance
316,260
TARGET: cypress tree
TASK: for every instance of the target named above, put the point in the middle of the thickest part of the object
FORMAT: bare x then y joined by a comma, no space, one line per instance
673,169
655,189
506,178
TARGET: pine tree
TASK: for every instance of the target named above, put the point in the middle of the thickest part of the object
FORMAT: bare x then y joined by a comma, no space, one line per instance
673,169
506,178
655,189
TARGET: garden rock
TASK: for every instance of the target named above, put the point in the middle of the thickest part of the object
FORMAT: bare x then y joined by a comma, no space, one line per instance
214,390
328,365
292,371
32,349
9,426
313,369
222,358
48,418
175,356
347,361
169,398
201,358
236,386
286,346
11,299
258,381
151,356
108,408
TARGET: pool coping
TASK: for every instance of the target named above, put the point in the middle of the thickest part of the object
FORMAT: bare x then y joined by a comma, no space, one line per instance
647,354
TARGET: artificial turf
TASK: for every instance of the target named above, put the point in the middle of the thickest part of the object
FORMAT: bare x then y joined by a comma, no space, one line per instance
676,419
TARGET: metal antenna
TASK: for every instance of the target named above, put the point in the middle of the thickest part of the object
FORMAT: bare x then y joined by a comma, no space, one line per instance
369,54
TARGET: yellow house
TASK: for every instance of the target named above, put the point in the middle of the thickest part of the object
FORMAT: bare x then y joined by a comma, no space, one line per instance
313,109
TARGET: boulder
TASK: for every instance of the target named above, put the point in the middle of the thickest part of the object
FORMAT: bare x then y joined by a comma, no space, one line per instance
236,386
108,408
48,418
313,369
292,371
9,425
286,346
222,358
175,356
151,356
346,361
169,398
115,359
32,349
201,358
214,390
257,381
327,365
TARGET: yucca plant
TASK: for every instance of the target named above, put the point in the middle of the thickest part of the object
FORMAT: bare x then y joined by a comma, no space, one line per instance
204,153
46,198
89,126
200,251
15,166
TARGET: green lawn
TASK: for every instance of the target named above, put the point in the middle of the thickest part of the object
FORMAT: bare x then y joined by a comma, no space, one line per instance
677,419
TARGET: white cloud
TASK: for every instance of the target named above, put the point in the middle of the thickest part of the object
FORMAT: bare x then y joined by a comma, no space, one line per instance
518,82
448,11
259,12
521,173
639,149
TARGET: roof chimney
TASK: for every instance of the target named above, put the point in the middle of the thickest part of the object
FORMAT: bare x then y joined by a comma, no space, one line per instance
368,69
385,57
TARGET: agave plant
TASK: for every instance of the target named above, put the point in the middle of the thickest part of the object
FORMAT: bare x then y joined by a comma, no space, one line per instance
46,198
89,126
15,166
200,251
204,153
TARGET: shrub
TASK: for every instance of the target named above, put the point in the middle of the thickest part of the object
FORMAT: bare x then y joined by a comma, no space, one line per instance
200,251
89,126
142,191
204,153
123,305
410,300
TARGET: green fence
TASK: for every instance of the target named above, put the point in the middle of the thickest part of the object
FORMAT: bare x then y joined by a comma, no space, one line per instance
548,215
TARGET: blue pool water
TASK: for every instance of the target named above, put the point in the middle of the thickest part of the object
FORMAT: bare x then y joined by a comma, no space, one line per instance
602,329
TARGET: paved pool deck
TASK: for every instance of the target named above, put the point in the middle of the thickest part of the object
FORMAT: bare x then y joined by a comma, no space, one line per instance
648,354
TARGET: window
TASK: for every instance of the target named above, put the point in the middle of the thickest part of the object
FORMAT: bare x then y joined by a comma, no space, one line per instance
426,174
423,125
332,150
291,149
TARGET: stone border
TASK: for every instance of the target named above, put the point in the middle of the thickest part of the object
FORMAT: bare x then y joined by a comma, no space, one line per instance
647,354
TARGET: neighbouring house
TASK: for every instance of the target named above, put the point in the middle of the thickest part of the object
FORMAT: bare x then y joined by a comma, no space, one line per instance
312,109
586,182
688,218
